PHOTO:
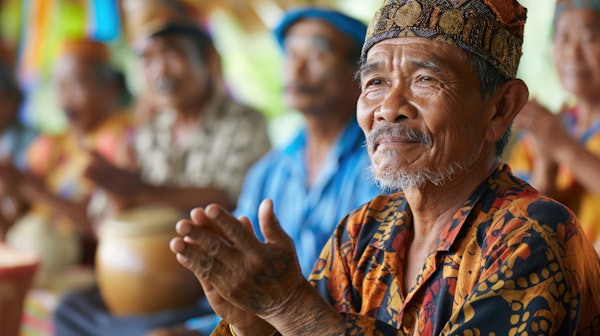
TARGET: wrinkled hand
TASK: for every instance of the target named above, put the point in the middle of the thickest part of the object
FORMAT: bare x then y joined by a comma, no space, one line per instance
244,280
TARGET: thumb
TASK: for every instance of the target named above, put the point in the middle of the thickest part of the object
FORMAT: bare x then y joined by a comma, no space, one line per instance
269,225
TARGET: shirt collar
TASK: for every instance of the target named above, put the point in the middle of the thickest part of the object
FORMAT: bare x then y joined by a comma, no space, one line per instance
457,222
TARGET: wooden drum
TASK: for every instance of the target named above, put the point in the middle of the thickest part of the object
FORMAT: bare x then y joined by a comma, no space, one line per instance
137,272
17,271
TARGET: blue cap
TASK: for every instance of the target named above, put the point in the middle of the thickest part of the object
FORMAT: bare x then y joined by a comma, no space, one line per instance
352,27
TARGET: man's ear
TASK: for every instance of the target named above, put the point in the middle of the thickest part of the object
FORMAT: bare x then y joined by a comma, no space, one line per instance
506,103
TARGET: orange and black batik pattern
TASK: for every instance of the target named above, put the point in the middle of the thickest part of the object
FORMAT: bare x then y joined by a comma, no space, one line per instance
510,262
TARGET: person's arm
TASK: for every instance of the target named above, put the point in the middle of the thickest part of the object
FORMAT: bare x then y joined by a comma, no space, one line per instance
127,188
31,190
582,163
254,286
554,146
182,197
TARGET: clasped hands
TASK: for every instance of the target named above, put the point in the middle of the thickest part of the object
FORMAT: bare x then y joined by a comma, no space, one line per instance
256,287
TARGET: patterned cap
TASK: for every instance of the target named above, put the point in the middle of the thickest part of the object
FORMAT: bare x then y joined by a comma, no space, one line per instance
491,29
562,5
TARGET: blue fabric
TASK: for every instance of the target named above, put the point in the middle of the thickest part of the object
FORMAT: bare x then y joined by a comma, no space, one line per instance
84,313
347,25
309,215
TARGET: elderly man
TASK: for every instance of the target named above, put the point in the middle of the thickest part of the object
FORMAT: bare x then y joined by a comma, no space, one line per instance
200,144
466,248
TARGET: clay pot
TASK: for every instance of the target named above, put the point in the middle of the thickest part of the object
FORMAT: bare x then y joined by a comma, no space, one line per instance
17,271
137,272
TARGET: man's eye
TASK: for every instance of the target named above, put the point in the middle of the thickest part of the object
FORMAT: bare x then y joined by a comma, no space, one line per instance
374,82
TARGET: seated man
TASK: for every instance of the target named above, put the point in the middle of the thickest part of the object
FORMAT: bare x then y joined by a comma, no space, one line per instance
57,224
465,248
322,174
197,148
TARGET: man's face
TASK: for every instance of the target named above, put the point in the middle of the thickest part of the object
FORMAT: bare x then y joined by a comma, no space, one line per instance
83,94
318,70
577,51
421,111
174,70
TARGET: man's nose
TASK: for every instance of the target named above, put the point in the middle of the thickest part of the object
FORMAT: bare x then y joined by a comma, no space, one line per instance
159,67
396,106
296,67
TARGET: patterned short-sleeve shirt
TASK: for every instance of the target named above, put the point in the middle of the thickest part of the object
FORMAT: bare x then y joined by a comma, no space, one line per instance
230,138
510,262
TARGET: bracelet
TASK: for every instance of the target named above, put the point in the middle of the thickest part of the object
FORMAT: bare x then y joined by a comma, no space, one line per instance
273,333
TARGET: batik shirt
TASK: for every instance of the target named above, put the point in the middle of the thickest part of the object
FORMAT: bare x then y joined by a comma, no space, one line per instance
228,140
585,204
510,262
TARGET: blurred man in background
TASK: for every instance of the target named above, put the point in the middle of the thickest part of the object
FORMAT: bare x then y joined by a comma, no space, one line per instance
197,144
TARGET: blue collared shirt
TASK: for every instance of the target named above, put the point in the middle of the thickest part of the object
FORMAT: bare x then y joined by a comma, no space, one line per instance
309,214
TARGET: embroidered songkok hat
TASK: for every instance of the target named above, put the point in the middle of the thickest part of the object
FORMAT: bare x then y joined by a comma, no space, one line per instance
491,29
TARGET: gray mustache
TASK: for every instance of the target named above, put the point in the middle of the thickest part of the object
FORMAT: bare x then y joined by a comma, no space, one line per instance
398,131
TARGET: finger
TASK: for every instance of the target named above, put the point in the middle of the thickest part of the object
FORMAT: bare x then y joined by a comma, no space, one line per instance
198,217
246,221
205,267
235,231
177,246
205,239
269,225
183,227
199,234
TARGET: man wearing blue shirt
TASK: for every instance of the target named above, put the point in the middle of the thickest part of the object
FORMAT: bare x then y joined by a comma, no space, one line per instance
323,172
